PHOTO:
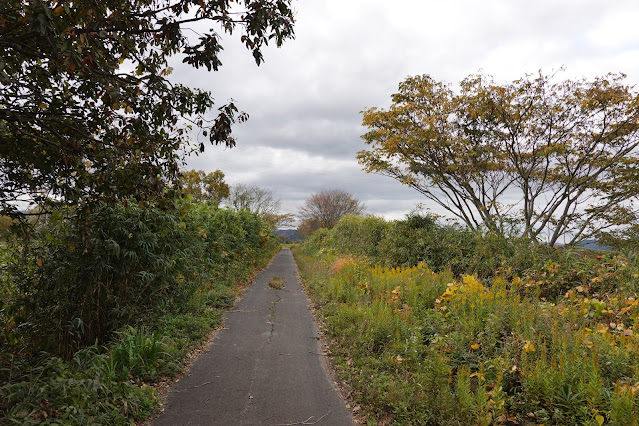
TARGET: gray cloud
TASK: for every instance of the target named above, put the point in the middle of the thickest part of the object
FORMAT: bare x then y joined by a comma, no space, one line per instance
305,100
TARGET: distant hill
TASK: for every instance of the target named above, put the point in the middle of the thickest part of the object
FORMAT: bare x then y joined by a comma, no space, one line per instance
593,245
289,233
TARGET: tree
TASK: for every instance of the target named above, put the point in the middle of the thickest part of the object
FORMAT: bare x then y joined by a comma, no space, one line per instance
325,208
552,159
260,201
86,110
253,198
209,187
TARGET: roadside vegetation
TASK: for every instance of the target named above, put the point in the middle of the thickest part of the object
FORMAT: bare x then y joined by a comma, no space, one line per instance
432,324
113,261
93,314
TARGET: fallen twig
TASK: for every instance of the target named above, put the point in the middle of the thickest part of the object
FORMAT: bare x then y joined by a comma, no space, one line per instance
202,384
305,422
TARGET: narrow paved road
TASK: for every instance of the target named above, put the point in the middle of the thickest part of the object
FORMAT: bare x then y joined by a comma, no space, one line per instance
264,367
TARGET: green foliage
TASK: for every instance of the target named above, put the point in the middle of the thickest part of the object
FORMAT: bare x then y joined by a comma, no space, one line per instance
358,236
622,238
81,282
80,391
317,241
125,265
103,385
218,297
5,227
421,239
136,353
204,187
88,112
550,339
418,239
140,285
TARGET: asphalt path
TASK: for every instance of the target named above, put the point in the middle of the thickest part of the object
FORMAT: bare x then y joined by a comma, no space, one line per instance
263,367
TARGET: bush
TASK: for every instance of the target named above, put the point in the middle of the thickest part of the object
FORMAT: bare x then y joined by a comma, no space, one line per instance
358,236
80,391
421,239
80,281
317,242
420,347
94,310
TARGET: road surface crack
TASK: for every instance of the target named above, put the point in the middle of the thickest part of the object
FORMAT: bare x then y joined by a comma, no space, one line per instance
272,316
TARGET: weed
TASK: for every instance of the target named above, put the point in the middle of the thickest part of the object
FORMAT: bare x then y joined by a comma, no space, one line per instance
276,283
557,346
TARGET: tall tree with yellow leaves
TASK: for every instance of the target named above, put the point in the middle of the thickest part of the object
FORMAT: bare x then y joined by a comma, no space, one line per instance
553,160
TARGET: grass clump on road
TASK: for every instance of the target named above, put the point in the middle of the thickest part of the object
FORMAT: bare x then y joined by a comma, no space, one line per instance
276,283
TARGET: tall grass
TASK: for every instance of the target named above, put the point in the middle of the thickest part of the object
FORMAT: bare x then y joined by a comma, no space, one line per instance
547,339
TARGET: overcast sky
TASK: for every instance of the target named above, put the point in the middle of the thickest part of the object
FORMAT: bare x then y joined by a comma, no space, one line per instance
304,102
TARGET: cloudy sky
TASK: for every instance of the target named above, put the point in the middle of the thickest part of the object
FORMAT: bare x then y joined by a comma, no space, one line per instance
304,102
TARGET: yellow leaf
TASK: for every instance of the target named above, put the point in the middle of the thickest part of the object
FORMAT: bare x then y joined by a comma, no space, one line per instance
599,419
474,346
39,262
478,375
529,346
58,10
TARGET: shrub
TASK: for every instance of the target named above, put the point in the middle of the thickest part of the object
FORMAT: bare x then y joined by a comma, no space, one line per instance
358,236
80,281
420,347
421,239
317,241
96,309
80,391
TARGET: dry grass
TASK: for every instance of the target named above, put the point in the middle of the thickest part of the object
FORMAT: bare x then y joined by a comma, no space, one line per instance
276,283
